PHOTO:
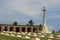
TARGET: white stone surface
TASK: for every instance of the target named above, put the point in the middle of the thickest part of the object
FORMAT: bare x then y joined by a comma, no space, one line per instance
29,34
27,37
37,38
18,33
7,31
51,35
23,34
19,36
58,35
45,34
39,33
34,34
2,33
10,32
42,36
6,34
14,32
45,29
12,35
49,39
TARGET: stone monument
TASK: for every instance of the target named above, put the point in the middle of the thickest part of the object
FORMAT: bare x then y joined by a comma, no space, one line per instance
45,29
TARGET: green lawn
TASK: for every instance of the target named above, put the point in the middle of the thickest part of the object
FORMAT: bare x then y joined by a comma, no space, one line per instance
4,37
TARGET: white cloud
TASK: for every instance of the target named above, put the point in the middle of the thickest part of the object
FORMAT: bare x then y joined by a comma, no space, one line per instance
51,3
32,7
22,6
29,7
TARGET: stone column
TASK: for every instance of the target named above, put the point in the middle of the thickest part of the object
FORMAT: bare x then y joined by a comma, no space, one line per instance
14,28
37,29
20,29
31,29
8,28
26,29
1,28
44,16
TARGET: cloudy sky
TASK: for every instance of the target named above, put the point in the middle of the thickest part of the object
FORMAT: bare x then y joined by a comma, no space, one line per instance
24,10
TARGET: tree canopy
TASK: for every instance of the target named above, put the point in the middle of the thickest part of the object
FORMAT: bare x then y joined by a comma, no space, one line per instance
53,31
41,26
31,22
15,23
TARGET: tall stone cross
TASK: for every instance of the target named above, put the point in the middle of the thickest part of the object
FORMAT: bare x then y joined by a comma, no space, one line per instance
45,29
44,16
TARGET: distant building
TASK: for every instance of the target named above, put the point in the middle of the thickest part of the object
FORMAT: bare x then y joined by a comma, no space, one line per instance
19,28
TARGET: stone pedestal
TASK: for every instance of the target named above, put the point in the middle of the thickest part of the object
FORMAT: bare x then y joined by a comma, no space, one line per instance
45,29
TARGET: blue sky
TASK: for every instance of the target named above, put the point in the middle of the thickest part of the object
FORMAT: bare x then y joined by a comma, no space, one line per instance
24,10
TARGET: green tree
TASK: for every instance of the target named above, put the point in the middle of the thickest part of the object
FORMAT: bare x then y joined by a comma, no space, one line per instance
15,23
31,22
59,30
53,31
41,26
27,24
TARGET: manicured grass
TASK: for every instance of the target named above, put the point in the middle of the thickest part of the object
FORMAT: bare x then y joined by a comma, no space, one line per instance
4,37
